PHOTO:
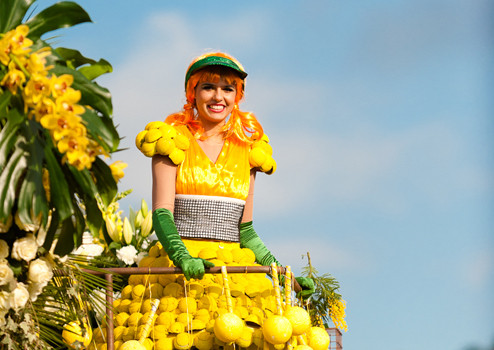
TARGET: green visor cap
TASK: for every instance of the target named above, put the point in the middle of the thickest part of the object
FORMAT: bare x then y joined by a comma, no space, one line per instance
214,61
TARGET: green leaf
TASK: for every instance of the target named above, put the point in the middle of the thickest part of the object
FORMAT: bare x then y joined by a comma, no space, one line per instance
94,218
50,235
59,188
73,57
97,69
32,198
115,245
107,187
4,101
65,242
102,130
8,135
84,181
93,95
60,15
10,177
12,12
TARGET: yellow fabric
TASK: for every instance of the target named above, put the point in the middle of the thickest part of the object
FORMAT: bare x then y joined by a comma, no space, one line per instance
228,177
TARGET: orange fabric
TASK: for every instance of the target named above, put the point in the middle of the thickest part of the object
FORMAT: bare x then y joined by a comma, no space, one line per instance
229,176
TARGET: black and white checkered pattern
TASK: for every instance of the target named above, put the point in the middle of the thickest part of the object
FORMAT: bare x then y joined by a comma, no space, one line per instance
208,217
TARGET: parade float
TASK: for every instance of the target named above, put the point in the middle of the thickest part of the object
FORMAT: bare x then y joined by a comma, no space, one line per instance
75,273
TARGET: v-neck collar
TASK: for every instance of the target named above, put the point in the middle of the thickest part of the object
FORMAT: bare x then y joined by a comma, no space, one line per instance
220,155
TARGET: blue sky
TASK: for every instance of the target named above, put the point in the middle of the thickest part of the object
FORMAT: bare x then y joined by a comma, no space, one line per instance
379,115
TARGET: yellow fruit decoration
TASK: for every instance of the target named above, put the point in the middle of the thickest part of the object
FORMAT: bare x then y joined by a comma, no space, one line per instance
177,156
148,148
155,125
257,157
299,318
183,341
165,146
132,345
181,141
245,339
188,305
140,138
121,319
228,327
118,332
152,135
165,343
203,340
277,329
73,334
168,131
318,338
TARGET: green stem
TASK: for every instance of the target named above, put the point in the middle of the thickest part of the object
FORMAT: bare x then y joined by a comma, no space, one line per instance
310,265
21,67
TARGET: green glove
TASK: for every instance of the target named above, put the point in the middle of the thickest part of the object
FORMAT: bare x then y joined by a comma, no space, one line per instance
165,229
307,285
250,239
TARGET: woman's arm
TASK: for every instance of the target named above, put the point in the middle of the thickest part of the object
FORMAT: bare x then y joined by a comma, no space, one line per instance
164,176
249,202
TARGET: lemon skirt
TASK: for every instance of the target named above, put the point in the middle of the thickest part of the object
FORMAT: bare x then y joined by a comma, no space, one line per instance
188,310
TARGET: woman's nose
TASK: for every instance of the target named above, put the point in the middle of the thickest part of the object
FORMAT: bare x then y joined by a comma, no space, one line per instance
218,94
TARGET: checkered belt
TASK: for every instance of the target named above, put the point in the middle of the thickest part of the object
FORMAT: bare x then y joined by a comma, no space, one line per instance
208,217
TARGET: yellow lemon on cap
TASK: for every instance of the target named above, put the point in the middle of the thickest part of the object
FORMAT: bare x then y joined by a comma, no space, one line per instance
318,338
203,340
183,341
73,334
228,327
277,329
132,345
299,318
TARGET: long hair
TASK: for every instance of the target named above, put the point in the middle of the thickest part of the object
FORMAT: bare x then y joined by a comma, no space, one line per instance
242,125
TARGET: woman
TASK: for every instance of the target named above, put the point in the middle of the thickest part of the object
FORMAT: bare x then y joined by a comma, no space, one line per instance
204,197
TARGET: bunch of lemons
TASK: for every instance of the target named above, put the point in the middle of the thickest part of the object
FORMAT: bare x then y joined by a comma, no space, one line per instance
161,138
189,310
261,156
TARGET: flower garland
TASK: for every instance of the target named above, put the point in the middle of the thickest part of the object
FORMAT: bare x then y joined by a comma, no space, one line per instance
49,99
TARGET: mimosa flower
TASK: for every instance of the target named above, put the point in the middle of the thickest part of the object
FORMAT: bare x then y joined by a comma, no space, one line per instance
117,169
13,79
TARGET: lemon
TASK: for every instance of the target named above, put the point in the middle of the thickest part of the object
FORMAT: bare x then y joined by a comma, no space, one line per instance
99,334
168,303
268,165
176,327
134,319
148,344
165,146
299,318
203,315
121,319
166,319
152,135
245,339
132,345
184,318
140,138
203,340
257,157
74,334
181,141
318,338
174,290
228,327
146,261
134,307
148,148
155,125
165,343
126,292
225,255
196,290
165,280
188,305
138,291
129,333
168,131
196,325
214,290
183,341
207,253
145,318
249,256
135,279
154,291
277,329
177,156
118,332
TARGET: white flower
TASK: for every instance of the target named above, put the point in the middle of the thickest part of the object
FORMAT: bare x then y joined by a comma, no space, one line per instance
40,271
4,249
19,296
25,248
127,254
6,273
4,301
89,250
35,289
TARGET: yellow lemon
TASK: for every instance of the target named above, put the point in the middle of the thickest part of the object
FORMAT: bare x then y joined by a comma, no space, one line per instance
152,135
168,303
299,318
134,307
249,256
196,290
154,125
129,333
135,279
126,292
214,290
181,141
237,254
132,345
183,341
257,157
124,305
174,290
207,253
121,319
134,319
203,340
318,338
203,315
245,339
277,329
176,327
268,165
146,261
165,146
228,327
177,156
99,334
146,306
165,343
168,130
148,344
145,318
148,148
74,334
225,255
140,138
196,325
165,280
184,318
188,305
154,291
138,291
166,319
118,332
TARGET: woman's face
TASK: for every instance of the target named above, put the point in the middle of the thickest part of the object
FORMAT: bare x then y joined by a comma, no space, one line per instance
214,101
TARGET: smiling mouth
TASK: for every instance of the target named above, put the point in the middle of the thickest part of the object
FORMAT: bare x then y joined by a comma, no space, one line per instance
216,108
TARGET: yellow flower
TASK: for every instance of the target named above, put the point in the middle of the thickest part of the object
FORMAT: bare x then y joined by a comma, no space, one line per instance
37,88
13,79
14,42
35,63
67,102
117,169
43,107
59,85
61,123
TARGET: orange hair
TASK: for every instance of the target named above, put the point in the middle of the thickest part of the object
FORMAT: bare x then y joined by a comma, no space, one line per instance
243,125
